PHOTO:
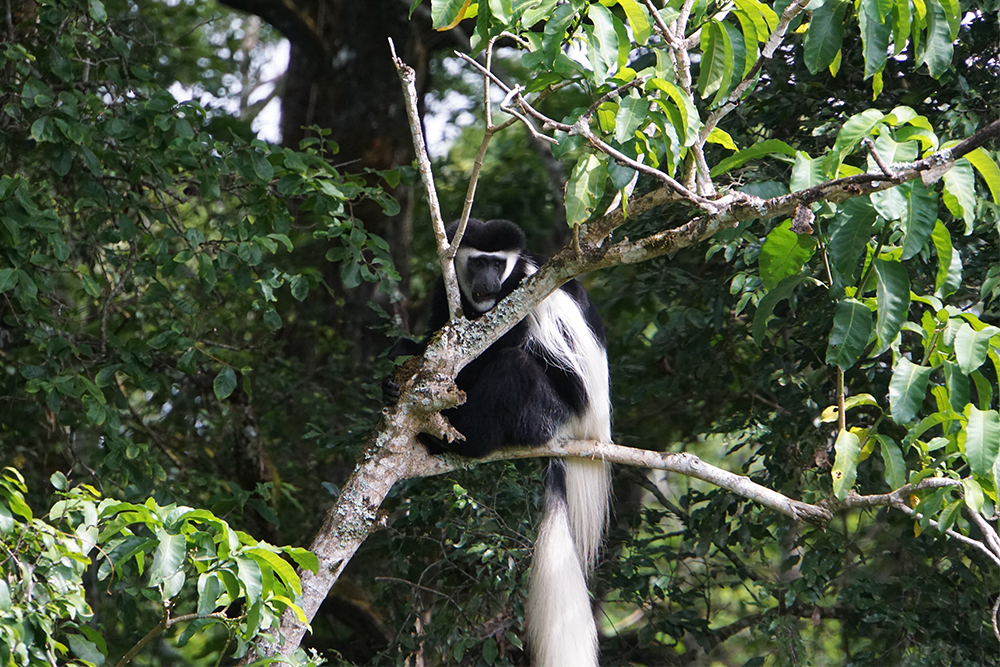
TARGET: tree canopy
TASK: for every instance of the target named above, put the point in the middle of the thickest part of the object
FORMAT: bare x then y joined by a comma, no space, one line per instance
787,213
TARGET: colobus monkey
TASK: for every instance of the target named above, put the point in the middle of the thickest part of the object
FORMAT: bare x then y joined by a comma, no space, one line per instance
546,379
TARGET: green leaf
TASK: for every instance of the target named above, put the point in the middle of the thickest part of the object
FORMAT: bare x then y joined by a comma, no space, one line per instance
849,233
982,440
988,169
8,280
602,42
959,192
85,649
852,327
957,384
168,558
875,32
907,389
690,124
716,59
250,578
758,150
96,10
825,35
971,346
638,19
845,464
973,494
210,588
280,567
921,215
631,115
893,301
949,272
984,390
783,254
806,172
766,305
585,187
261,166
224,383
446,14
938,46
895,464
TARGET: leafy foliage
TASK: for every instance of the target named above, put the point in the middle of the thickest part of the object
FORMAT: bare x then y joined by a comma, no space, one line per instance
165,293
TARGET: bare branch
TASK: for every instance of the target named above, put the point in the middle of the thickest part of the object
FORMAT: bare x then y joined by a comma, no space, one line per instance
870,145
682,462
446,254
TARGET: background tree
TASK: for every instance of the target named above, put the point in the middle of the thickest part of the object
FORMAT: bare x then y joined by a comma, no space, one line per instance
160,340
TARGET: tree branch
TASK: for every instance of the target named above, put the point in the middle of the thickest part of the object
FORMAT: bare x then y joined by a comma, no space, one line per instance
446,253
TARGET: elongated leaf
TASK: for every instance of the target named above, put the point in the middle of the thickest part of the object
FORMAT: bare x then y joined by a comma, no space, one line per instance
250,577
224,383
949,272
758,150
279,565
852,327
850,231
602,40
690,121
765,20
783,254
921,215
984,390
893,301
638,18
716,59
960,192
982,440
895,465
736,64
875,31
973,494
446,14
988,169
631,115
957,383
971,346
939,44
586,184
168,558
766,306
210,587
907,389
825,35
845,464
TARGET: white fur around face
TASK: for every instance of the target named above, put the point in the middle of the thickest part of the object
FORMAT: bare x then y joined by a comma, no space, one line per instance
462,258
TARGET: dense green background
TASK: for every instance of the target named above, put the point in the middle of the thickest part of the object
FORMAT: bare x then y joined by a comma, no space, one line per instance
185,323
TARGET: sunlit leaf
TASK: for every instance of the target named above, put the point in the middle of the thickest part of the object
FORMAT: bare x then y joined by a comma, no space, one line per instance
845,464
783,254
907,390
982,440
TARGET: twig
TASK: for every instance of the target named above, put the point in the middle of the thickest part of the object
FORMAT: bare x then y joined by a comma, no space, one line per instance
683,462
446,255
165,623
870,145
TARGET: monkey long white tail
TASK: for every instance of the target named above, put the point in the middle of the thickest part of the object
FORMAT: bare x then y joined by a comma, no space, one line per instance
561,627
